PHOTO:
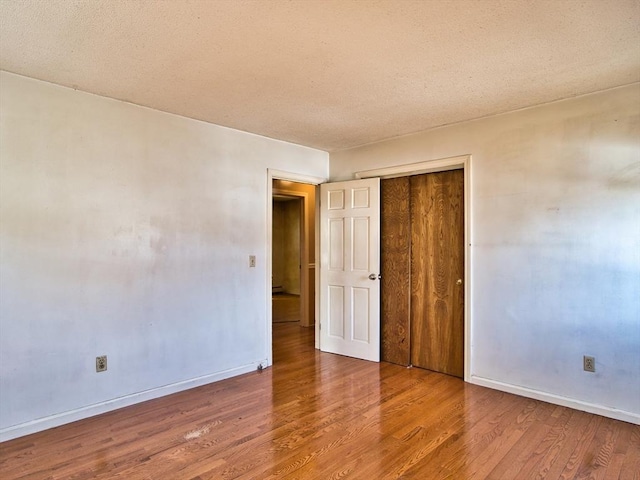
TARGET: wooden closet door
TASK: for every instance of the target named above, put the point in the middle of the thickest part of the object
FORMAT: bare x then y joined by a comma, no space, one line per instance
395,267
437,270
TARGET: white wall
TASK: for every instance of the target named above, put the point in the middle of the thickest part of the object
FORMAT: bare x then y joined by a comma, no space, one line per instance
555,247
126,232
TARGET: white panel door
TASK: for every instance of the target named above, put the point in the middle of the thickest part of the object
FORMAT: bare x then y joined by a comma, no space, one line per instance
349,268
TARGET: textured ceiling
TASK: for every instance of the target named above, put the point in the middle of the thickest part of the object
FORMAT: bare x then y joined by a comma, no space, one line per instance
329,74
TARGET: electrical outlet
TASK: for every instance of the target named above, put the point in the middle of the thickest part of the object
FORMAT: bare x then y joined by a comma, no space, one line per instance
589,364
101,363
252,261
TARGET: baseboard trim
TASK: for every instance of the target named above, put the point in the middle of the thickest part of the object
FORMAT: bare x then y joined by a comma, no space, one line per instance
81,413
557,400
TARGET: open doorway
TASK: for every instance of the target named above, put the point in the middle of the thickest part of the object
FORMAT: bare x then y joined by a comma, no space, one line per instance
293,251
286,258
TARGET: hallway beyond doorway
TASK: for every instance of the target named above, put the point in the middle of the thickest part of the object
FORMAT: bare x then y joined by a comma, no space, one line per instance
285,308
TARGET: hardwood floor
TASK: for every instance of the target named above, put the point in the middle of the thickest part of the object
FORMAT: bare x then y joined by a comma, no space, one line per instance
285,307
322,416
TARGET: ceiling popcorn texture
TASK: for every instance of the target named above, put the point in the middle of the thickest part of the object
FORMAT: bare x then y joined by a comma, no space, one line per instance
329,74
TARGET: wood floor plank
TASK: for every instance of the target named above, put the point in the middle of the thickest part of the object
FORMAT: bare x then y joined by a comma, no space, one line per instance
581,453
322,416
478,449
631,466
534,430
552,444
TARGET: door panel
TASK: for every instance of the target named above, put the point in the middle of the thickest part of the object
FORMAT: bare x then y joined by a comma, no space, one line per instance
360,301
349,254
336,311
336,244
395,257
437,270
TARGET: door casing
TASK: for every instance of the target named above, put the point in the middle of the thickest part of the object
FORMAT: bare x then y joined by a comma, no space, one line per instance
292,177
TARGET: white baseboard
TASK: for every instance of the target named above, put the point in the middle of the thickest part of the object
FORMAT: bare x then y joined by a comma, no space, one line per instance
557,400
58,419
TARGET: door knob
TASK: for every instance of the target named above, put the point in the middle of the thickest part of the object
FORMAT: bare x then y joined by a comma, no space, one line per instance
459,282
373,276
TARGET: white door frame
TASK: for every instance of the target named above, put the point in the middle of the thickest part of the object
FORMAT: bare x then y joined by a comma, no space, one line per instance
292,177
442,165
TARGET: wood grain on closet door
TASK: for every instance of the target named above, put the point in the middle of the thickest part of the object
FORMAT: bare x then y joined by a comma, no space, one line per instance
437,271
395,269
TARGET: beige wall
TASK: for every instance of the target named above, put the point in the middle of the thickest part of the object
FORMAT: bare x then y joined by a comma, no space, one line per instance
277,250
286,245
